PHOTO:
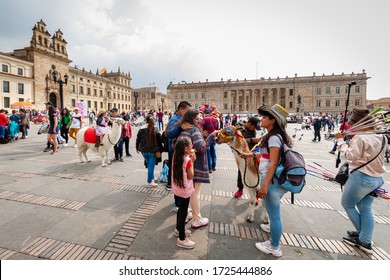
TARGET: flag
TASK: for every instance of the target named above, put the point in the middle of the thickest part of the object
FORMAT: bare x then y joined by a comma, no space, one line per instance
103,71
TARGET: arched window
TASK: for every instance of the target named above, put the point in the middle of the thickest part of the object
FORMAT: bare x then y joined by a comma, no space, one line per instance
40,39
46,42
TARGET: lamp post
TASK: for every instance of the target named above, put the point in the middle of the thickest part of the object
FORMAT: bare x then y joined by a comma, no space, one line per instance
135,101
162,104
57,80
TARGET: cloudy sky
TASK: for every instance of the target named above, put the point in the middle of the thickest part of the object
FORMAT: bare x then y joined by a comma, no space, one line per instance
178,40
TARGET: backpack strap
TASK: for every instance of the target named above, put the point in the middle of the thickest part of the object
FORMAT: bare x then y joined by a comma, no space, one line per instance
364,164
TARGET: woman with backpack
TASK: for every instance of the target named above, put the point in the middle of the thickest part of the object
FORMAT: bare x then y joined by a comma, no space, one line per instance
274,121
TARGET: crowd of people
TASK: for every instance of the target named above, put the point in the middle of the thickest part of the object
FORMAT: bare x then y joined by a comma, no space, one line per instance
191,137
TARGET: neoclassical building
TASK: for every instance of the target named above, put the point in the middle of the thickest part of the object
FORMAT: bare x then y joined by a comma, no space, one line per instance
299,95
42,72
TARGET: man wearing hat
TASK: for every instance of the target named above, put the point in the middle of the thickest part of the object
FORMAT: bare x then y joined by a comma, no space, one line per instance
77,123
249,133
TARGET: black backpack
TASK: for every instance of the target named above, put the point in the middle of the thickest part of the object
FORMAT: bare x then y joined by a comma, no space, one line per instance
291,172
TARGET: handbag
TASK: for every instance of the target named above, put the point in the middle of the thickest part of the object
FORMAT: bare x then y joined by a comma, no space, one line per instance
343,173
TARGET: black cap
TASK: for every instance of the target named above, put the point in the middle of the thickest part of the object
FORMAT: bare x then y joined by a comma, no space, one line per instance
49,103
114,110
256,122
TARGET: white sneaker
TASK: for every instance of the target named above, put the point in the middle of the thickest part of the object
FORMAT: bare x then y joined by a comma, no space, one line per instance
267,248
187,233
186,243
152,184
266,227
75,146
65,145
201,223
189,216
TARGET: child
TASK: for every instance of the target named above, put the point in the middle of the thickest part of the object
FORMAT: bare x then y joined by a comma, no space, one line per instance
102,127
183,187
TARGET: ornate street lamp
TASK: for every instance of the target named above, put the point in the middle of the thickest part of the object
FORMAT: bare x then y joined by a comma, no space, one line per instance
135,102
162,102
57,80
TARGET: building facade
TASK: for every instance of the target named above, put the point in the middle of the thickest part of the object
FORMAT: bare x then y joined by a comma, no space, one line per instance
16,80
46,55
151,98
299,95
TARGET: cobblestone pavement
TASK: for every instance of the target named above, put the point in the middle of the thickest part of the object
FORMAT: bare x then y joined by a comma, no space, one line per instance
53,207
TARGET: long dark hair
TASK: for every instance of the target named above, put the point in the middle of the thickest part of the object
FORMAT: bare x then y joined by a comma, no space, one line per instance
66,112
151,140
190,117
274,131
178,160
51,113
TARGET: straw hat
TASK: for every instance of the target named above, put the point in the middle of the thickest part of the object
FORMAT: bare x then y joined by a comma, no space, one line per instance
101,111
277,111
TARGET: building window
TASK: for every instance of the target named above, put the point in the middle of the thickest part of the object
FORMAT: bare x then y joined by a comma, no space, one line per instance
176,97
20,71
4,68
291,92
357,102
81,79
21,99
182,96
89,103
337,103
5,86
225,106
73,102
318,90
196,95
337,90
81,90
203,94
225,94
318,103
6,102
101,104
327,103
189,96
291,104
101,93
88,91
72,88
357,89
94,92
327,90
20,88
346,89
95,104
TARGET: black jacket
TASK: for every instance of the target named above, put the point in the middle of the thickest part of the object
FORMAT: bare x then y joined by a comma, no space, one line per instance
141,146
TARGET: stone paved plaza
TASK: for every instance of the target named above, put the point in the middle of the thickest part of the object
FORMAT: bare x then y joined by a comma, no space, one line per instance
53,207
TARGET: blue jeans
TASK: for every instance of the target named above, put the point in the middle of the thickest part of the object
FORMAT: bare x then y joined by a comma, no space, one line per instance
160,123
356,195
272,203
211,156
150,159
118,148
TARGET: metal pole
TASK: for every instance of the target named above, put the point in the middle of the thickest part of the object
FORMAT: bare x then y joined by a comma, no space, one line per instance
338,160
61,95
